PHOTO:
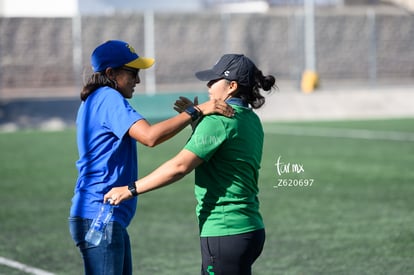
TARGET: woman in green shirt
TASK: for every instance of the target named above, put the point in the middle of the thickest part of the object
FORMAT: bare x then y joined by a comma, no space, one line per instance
226,153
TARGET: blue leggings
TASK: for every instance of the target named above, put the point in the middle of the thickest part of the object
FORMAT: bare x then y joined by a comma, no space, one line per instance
233,254
111,257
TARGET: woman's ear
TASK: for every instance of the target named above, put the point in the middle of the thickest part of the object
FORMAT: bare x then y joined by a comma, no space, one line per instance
233,85
109,72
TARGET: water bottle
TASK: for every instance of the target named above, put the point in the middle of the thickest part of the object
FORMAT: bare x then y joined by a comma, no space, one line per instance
97,229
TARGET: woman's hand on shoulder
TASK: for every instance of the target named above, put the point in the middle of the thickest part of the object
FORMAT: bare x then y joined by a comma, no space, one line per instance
213,106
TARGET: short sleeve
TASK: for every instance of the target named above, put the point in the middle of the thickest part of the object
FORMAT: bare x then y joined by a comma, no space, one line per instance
207,137
120,115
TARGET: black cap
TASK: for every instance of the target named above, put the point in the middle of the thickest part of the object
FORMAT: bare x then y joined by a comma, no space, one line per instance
235,67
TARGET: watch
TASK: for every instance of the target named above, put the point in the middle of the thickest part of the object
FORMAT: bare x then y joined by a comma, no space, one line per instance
193,112
133,189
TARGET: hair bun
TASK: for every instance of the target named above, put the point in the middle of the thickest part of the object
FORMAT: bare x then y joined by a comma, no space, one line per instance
268,82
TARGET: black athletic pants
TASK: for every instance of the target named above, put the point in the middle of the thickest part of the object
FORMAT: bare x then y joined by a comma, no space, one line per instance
231,255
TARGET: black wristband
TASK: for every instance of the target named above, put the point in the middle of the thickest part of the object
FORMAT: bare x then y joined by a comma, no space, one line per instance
193,112
132,188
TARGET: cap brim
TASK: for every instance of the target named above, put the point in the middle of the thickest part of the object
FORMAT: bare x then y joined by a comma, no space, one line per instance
207,75
141,63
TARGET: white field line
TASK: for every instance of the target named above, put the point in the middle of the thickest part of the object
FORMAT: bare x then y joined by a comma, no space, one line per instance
340,133
23,267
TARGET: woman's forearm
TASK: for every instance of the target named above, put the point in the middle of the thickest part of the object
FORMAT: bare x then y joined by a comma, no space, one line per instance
169,172
152,135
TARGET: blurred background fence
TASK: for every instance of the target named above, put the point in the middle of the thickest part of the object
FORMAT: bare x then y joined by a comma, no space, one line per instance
364,54
365,43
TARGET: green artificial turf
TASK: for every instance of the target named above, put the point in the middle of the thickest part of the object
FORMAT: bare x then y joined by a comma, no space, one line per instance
356,218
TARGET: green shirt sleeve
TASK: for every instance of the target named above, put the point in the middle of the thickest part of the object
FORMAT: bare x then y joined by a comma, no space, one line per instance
207,137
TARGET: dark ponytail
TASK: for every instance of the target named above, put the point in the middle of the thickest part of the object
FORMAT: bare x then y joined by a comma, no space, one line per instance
252,94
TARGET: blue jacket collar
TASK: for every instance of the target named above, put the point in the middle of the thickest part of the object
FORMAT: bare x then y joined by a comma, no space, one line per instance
237,101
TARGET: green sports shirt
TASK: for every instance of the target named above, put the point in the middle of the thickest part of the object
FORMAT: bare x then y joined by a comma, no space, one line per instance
226,183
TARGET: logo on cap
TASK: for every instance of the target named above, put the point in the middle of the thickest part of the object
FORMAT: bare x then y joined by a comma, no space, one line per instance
131,49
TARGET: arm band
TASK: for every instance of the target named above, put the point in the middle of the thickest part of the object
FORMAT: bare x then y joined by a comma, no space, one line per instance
194,112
